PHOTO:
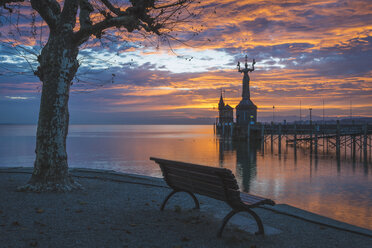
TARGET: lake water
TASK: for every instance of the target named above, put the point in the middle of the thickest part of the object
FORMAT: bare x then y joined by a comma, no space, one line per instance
340,189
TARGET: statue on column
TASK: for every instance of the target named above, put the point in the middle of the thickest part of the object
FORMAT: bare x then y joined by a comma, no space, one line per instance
246,79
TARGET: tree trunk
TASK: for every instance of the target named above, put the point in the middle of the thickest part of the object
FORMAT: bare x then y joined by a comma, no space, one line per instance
58,66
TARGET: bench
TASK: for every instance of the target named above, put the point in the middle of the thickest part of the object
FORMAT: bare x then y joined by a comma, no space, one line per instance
217,183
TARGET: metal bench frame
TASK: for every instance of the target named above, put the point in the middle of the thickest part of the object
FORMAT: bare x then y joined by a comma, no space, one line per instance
198,179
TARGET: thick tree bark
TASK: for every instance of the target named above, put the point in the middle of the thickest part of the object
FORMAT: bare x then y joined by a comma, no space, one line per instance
58,66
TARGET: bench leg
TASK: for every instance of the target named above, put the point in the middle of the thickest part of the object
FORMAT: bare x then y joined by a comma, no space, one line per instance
258,221
233,212
166,199
224,222
197,206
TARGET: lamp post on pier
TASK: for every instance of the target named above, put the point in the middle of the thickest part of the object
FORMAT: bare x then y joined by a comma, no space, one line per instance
310,116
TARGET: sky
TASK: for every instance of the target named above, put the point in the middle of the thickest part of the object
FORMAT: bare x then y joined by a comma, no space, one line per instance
309,54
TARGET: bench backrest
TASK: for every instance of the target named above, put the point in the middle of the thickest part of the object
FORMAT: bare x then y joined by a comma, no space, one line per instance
218,183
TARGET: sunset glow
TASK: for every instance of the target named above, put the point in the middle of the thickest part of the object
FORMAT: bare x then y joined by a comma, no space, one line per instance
306,51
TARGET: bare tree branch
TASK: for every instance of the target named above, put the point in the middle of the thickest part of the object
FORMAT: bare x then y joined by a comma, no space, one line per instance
84,17
49,10
85,9
4,2
178,3
126,21
112,8
68,15
143,14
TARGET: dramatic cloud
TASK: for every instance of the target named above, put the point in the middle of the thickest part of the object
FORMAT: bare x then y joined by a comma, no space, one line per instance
314,52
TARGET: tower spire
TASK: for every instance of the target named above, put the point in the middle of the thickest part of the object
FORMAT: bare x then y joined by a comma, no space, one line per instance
221,104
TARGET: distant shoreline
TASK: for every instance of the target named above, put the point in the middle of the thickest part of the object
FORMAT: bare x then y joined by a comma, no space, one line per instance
291,119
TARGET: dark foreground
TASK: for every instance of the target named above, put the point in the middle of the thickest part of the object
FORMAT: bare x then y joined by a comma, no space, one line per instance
119,210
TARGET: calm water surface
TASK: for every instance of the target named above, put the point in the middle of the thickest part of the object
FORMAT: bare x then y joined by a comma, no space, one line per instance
319,183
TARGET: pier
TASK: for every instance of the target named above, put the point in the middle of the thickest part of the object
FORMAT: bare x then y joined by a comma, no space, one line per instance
356,138
335,136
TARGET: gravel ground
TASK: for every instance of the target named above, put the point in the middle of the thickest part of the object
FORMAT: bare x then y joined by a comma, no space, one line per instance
119,210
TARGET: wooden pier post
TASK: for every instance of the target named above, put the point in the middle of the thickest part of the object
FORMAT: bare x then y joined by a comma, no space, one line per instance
353,145
365,136
249,132
360,147
345,142
272,139
316,138
370,147
280,139
295,140
311,139
338,140
262,137
323,138
231,130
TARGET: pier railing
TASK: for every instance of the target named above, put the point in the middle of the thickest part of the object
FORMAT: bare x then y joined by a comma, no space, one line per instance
354,137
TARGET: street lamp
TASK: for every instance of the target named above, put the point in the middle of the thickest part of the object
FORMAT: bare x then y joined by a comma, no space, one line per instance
310,116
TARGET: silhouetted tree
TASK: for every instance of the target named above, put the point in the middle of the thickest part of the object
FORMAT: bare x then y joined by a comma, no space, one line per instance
71,23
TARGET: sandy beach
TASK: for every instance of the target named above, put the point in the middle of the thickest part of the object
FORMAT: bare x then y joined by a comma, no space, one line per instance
122,210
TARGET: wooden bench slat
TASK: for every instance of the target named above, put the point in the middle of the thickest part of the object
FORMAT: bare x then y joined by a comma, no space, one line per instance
249,196
197,187
207,189
194,167
251,202
208,178
254,200
194,181
202,176
254,197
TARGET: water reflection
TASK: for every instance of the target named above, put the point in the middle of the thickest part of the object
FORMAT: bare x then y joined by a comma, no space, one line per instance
324,183
246,164
319,180
246,160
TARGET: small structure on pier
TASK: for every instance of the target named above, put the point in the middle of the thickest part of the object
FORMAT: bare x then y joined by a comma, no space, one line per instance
357,136
225,112
246,111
